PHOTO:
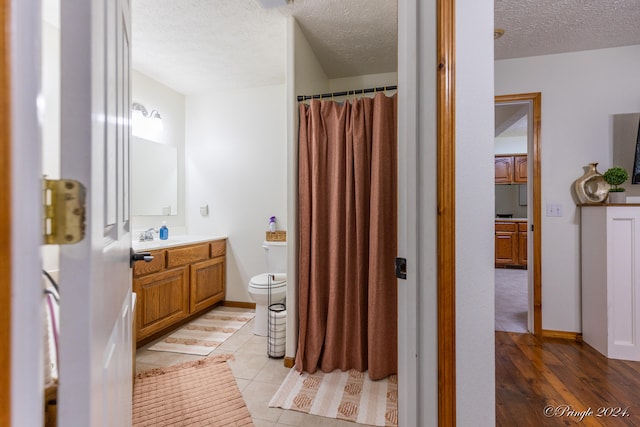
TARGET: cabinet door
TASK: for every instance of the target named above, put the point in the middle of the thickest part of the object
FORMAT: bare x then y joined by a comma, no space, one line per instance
163,299
522,244
504,169
506,243
207,283
520,169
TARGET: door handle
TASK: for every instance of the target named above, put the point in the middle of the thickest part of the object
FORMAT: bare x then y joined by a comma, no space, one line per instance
140,256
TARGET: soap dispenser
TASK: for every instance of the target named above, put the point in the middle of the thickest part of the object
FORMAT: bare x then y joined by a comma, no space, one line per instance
164,231
272,224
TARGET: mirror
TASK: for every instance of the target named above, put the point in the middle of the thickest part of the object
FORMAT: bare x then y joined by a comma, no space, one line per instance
626,144
154,178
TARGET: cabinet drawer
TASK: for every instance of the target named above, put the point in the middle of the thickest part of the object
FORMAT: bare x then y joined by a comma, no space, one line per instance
187,255
522,226
140,268
506,226
218,248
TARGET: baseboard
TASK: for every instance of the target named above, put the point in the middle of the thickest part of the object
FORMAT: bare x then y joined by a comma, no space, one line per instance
289,362
239,304
575,336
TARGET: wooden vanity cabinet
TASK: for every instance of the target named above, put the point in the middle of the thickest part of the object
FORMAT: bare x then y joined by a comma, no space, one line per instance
163,299
178,283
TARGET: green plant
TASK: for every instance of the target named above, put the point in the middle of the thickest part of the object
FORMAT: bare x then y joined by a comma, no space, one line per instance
616,176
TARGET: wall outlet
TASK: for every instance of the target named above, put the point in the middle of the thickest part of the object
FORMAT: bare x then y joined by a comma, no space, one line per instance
554,209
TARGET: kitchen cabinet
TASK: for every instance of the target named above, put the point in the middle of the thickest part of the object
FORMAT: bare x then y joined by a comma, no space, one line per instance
177,284
511,169
610,244
511,243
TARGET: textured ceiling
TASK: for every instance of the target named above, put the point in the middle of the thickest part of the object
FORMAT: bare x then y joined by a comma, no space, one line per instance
195,45
542,27
198,45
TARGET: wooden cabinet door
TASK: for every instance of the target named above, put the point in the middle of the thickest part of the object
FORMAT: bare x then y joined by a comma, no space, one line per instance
506,248
163,299
520,169
506,243
207,283
504,169
522,244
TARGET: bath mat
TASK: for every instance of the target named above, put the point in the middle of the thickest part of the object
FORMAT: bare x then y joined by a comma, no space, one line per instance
202,335
200,393
350,396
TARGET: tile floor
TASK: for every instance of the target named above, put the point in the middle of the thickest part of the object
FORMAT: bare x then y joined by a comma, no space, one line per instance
511,300
257,375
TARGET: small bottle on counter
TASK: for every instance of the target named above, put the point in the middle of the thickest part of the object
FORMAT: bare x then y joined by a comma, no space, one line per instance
272,224
164,231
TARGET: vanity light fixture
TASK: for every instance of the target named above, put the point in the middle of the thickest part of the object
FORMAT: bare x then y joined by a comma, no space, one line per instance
145,124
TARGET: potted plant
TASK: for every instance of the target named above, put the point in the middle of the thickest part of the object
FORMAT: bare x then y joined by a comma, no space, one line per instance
616,176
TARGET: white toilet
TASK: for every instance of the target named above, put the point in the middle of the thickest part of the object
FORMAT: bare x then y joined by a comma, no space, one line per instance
276,275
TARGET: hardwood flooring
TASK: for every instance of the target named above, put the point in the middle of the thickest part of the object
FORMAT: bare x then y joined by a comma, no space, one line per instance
556,382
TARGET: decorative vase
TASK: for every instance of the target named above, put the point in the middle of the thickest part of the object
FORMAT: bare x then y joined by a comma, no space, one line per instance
617,197
591,187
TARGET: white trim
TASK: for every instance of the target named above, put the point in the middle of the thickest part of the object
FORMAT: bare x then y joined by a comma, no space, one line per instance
26,206
417,302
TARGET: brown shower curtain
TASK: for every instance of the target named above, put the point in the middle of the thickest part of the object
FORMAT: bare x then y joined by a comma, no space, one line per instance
348,236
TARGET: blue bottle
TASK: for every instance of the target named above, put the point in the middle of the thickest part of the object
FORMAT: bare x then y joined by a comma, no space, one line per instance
164,232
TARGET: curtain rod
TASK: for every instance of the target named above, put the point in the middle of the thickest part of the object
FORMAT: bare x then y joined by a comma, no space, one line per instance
348,92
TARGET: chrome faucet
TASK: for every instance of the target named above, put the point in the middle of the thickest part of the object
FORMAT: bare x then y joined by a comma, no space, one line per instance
147,234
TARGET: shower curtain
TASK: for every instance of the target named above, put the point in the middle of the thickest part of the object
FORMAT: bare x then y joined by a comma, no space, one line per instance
348,236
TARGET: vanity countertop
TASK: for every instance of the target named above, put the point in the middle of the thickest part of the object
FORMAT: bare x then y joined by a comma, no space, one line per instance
178,240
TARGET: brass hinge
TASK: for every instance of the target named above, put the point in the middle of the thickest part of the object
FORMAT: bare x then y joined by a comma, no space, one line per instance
64,211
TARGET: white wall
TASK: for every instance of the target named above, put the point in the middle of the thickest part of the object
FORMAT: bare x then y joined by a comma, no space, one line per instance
581,91
511,145
153,95
475,359
236,162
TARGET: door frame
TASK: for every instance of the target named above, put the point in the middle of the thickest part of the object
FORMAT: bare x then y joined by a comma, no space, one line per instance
5,218
533,151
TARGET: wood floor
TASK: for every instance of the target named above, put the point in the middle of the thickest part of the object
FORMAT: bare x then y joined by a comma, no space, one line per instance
559,376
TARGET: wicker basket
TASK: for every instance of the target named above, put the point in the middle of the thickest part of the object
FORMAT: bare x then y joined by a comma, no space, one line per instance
276,236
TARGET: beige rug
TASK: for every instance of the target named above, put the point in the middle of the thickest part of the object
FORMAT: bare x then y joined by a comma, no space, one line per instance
200,393
350,396
202,335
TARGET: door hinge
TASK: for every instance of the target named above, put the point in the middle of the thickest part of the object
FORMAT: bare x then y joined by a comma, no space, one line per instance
401,268
64,211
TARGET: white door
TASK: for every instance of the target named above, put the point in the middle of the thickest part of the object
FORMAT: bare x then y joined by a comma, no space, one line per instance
95,277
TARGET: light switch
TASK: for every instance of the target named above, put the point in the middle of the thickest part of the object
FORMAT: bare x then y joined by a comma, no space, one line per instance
554,209
204,210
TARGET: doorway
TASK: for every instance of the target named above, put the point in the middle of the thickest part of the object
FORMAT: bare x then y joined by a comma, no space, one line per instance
518,213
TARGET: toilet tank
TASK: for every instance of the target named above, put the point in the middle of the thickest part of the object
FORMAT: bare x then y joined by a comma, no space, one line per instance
276,256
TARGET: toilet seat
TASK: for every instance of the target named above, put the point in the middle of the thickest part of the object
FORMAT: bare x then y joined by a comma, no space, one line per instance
261,281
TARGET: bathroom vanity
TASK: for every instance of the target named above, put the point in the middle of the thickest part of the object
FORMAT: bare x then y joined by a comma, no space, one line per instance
186,276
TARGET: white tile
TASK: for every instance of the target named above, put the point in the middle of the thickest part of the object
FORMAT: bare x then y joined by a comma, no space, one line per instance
295,418
257,396
274,372
247,365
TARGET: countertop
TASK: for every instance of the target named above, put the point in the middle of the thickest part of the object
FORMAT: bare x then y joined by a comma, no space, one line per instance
511,219
178,240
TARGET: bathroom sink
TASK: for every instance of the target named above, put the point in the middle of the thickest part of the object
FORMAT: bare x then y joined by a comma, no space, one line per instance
171,241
